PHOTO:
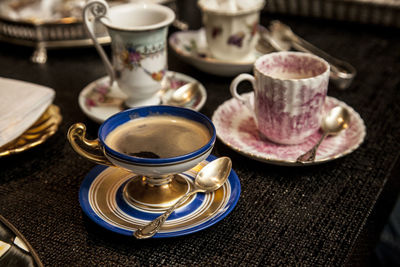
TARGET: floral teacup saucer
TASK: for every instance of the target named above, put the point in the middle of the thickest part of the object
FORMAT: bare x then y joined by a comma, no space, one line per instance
99,101
236,128
191,46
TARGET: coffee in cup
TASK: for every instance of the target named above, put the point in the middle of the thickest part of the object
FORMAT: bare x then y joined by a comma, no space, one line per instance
156,144
149,140
159,136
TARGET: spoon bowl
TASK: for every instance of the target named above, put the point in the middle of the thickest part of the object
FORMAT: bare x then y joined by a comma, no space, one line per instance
184,94
336,120
214,175
209,178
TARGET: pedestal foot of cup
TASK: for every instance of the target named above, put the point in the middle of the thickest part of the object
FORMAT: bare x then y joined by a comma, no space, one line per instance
140,192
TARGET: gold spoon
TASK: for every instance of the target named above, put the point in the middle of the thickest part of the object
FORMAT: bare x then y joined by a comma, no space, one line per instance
184,94
335,121
210,178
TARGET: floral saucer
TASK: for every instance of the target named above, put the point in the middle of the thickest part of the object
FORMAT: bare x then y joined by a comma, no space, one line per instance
191,46
101,198
99,101
237,129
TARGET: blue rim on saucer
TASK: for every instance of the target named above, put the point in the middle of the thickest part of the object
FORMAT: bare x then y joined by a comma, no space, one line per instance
120,118
101,199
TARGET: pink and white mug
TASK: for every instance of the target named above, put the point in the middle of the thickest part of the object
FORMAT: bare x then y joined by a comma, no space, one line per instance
289,95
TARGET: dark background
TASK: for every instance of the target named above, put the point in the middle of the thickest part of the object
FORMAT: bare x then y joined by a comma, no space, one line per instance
329,214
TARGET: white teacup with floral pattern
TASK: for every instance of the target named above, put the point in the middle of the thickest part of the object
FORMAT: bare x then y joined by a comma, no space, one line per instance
138,40
231,32
289,95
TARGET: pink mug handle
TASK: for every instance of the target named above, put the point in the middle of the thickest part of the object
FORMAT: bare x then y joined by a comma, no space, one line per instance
249,103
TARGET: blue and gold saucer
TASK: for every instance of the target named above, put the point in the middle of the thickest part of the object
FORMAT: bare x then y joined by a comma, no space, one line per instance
102,199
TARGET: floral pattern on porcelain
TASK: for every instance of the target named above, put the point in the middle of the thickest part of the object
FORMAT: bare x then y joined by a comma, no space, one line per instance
231,36
101,93
236,39
285,126
192,48
131,58
289,110
237,128
216,31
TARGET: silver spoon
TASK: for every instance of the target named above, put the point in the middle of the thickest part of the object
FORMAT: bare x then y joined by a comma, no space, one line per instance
282,38
335,121
209,179
184,94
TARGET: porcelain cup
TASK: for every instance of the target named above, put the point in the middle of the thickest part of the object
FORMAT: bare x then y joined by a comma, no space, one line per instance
156,183
138,34
156,167
289,95
231,35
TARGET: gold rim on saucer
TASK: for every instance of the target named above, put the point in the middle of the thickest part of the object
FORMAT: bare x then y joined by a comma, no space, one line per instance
102,199
39,132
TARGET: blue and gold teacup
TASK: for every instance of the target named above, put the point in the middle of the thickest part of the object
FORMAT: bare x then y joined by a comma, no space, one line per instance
156,144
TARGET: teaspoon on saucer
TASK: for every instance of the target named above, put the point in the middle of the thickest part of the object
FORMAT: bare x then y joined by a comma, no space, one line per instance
180,97
184,94
210,178
336,120
99,101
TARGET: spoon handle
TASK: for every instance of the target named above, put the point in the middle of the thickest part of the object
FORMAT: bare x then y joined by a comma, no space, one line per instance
309,156
342,73
154,226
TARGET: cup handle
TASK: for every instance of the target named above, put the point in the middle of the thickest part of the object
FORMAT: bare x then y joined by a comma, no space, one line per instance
233,88
90,149
99,9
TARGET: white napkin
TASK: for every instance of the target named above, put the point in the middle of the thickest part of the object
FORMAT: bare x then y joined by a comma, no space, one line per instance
21,105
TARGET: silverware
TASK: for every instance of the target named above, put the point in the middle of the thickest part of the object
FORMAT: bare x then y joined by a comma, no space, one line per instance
170,96
335,121
184,94
282,38
180,25
209,179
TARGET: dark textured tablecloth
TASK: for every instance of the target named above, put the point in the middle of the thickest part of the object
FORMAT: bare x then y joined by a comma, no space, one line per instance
329,214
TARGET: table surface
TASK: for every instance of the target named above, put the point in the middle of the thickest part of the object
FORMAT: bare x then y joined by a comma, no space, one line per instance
329,214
